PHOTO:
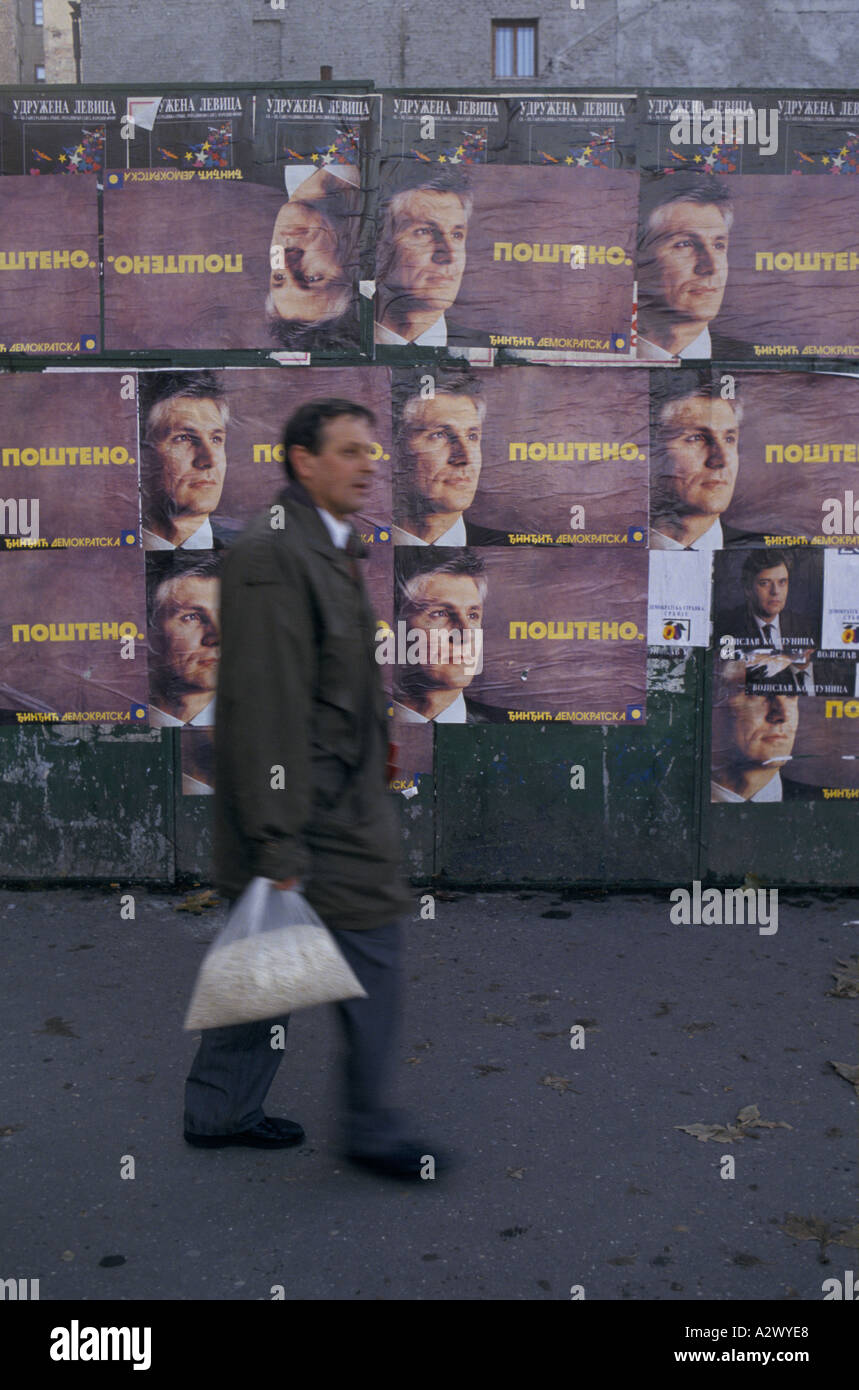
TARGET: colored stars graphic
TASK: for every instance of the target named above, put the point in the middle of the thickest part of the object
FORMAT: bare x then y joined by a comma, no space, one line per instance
596,154
211,153
471,150
86,156
345,148
707,159
841,159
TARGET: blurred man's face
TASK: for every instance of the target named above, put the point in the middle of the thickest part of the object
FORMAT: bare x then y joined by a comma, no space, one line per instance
762,726
190,449
684,269
451,602
307,278
339,476
699,460
442,447
769,591
191,634
429,249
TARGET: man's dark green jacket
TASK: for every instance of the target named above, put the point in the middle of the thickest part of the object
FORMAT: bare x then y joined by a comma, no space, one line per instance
301,725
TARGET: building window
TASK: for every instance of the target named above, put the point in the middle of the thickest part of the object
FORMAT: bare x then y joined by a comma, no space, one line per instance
38,12
40,73
514,48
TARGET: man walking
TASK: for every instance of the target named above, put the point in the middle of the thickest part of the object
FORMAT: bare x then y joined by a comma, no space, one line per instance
301,743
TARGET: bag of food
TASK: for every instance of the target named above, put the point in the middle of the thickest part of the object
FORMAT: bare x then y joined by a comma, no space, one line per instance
273,956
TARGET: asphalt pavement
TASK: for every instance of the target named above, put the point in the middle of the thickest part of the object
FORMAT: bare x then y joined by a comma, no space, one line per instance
573,1178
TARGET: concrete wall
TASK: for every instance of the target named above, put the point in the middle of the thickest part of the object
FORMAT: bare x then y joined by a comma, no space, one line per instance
59,57
10,43
609,42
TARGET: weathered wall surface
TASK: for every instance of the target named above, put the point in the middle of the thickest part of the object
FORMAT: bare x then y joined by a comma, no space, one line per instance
812,43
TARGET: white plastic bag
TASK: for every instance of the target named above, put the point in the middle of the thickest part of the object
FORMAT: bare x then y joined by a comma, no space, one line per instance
273,956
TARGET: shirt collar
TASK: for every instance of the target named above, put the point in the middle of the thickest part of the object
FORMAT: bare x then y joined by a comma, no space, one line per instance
454,535
771,791
339,531
201,539
712,539
699,347
434,336
454,714
159,718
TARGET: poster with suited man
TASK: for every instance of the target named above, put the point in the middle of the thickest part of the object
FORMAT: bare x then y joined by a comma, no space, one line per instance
438,459
775,627
778,747
519,456
184,418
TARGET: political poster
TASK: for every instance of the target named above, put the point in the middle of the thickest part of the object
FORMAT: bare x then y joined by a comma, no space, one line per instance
747,267
752,459
489,256
777,747
748,131
69,475
60,130
49,277
774,612
243,247
498,636
212,448
678,602
73,637
520,456
186,128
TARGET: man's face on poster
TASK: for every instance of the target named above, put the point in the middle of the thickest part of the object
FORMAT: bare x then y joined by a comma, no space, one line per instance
760,728
449,603
442,452
429,249
190,633
698,458
684,267
768,592
189,449
307,280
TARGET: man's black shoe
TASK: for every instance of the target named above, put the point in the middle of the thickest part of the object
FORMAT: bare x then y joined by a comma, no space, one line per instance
403,1161
268,1133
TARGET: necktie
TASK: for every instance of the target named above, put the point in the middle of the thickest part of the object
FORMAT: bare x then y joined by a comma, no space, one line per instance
800,680
768,634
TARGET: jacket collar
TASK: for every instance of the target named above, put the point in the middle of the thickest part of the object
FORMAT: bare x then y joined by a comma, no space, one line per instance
317,535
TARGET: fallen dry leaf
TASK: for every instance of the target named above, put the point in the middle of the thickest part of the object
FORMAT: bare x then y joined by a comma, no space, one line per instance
559,1083
812,1228
747,1119
515,1172
198,902
846,979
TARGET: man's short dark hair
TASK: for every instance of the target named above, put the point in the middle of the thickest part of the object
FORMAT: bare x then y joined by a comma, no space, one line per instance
412,563
662,191
758,560
668,387
155,389
449,381
163,569
304,427
413,178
